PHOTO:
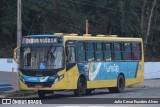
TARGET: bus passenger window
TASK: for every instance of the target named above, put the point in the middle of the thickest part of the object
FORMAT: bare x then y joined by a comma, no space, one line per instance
90,52
117,51
136,51
107,52
127,51
99,53
81,51
72,55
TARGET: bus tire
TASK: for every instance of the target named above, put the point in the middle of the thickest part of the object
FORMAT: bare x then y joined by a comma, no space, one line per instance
120,84
41,94
81,87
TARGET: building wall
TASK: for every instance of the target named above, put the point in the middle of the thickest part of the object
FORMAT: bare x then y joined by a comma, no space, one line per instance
151,69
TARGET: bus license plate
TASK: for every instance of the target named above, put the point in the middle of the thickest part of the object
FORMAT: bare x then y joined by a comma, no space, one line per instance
38,86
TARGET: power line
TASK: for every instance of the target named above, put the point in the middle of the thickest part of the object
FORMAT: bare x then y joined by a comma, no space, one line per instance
74,1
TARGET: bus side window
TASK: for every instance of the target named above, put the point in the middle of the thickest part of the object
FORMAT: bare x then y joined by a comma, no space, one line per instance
90,52
117,51
107,52
136,49
27,57
127,51
71,54
81,51
98,51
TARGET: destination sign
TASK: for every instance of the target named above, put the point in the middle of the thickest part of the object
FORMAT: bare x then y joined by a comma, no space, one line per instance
41,40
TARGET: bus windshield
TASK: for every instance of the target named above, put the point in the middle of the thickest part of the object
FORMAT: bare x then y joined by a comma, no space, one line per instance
43,58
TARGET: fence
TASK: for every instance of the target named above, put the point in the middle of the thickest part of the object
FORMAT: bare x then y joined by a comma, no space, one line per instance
9,80
8,74
6,87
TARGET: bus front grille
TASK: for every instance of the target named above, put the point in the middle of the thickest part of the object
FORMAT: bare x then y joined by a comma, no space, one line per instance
38,85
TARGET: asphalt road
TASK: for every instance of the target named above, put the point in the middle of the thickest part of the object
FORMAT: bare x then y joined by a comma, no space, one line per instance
104,93
98,98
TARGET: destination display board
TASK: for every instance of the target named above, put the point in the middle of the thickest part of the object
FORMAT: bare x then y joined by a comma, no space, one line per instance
41,40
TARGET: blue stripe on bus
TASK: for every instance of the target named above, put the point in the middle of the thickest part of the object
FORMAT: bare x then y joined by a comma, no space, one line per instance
107,70
34,78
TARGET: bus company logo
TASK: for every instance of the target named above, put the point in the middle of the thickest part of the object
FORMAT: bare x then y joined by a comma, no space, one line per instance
32,79
6,101
114,68
43,79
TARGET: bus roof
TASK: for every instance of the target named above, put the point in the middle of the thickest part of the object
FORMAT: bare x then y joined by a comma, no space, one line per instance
40,35
87,38
102,38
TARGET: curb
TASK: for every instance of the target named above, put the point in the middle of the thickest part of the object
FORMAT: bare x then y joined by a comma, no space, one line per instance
16,93
138,86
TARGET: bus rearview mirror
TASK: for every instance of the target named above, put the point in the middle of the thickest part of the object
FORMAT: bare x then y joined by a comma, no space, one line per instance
16,58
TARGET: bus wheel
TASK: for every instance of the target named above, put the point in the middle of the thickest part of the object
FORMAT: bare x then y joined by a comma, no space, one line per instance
88,92
41,94
81,87
120,84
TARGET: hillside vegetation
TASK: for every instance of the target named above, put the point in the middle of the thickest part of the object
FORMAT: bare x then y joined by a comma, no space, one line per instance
126,18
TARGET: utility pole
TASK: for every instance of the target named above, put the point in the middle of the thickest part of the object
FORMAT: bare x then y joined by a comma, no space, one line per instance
87,26
19,34
19,25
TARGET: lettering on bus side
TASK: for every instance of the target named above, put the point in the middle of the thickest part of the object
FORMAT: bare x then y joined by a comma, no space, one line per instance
114,68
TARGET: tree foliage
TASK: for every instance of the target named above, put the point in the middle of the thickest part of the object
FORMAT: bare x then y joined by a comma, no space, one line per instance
127,18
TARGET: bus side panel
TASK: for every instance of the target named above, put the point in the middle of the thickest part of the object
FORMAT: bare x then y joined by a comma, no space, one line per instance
139,76
72,77
96,75
105,74
140,71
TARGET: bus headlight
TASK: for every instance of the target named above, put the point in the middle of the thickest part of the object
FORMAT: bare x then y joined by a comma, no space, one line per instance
58,78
